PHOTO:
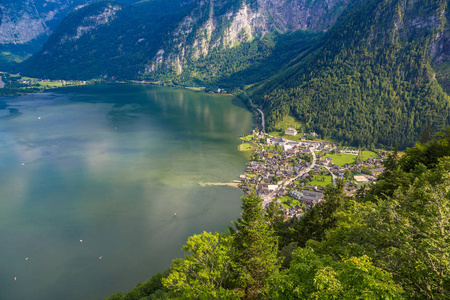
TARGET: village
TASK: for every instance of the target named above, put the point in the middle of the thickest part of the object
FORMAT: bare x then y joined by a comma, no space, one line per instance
294,173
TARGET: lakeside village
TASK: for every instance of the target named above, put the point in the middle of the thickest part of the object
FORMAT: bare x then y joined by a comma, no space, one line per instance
294,173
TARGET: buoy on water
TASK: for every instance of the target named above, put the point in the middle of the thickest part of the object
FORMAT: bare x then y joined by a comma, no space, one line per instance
15,278
100,257
26,258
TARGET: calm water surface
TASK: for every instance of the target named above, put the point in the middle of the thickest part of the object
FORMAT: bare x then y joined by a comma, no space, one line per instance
110,165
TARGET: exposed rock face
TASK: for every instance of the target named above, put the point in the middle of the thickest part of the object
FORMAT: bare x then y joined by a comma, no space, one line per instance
186,31
24,20
240,24
90,23
303,14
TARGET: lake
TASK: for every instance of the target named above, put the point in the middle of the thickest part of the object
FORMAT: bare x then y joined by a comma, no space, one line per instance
111,172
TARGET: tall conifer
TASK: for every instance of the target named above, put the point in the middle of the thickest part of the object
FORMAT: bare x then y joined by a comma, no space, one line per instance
255,248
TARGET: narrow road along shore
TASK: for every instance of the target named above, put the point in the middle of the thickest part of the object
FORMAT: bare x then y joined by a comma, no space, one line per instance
263,125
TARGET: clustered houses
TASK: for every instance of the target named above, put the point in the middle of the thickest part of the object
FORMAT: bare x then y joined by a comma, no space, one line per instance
278,164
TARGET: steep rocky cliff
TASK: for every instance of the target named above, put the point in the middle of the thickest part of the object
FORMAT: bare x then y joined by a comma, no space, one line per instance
189,31
212,26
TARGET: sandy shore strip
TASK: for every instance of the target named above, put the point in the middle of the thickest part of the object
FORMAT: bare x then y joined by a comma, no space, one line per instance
232,184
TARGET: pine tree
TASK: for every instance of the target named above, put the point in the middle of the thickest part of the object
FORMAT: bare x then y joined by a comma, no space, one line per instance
255,246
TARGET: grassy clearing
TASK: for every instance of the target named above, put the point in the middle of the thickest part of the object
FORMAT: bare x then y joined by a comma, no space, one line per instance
321,180
341,159
247,137
247,147
288,201
368,154
50,84
289,121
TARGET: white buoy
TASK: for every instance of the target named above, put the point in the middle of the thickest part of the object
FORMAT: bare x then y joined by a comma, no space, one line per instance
23,164
26,258
39,118
174,214
81,241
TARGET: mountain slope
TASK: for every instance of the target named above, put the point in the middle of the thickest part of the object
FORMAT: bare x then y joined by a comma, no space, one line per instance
152,41
26,24
371,82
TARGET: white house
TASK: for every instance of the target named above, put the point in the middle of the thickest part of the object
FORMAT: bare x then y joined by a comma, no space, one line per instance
290,131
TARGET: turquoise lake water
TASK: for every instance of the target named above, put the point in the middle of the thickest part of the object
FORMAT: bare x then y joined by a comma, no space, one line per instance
111,165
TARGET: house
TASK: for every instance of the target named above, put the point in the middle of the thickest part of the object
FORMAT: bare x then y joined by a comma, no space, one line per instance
376,172
272,187
296,194
361,178
310,200
290,131
312,194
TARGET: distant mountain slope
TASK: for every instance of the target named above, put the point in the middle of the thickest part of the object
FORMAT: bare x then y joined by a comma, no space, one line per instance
371,82
161,39
26,24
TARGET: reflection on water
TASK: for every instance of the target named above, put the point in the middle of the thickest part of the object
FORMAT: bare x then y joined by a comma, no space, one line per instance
110,165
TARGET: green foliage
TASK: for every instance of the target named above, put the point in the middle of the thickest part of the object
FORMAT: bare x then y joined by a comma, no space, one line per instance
118,49
312,276
255,247
152,289
367,83
319,218
204,272
405,230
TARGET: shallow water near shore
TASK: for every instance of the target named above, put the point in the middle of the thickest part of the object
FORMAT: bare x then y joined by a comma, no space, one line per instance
100,185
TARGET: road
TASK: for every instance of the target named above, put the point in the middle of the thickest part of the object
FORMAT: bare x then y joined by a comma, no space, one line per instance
332,175
262,116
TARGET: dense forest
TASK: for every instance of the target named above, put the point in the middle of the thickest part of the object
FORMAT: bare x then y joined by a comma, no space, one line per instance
389,241
103,48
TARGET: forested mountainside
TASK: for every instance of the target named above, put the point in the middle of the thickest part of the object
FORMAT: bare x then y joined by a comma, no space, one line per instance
163,40
371,82
368,73
389,241
26,24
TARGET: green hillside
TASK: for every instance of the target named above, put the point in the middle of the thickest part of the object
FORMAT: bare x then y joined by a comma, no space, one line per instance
371,83
117,46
